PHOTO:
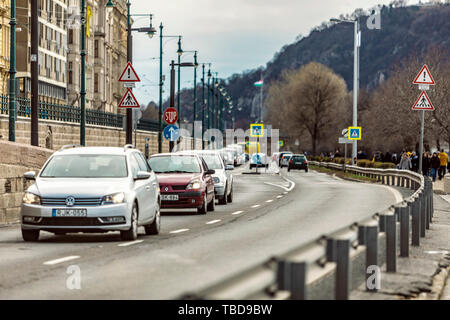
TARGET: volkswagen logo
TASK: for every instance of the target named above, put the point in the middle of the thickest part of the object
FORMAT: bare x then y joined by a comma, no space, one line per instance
166,188
70,201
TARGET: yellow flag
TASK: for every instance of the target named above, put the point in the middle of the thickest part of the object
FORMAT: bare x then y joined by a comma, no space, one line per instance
88,21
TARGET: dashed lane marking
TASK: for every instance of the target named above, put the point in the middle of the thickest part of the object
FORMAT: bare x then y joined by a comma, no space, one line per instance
269,201
179,231
256,206
60,260
126,244
279,197
213,221
237,212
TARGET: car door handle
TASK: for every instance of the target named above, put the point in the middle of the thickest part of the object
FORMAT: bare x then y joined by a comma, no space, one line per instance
147,188
154,183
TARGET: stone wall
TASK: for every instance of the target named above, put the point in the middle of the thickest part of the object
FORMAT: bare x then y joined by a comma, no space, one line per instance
15,160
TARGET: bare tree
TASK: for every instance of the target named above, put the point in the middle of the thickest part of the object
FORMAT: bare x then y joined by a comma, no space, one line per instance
309,99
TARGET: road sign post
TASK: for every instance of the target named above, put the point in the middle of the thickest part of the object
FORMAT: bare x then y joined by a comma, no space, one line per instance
423,79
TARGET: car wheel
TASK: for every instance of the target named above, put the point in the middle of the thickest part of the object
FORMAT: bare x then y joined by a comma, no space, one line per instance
30,235
289,169
154,227
131,234
230,196
203,209
224,200
212,204
306,170
251,166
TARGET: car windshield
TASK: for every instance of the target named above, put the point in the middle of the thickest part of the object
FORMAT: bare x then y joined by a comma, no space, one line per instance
86,166
212,161
298,158
175,164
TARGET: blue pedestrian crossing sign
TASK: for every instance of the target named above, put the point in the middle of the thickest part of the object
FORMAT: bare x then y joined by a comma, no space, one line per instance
171,133
354,133
257,130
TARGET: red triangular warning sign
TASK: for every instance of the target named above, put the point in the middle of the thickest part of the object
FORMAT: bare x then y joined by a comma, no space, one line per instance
129,74
129,101
424,76
423,103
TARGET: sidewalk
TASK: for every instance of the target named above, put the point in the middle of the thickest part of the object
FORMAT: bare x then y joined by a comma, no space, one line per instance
426,272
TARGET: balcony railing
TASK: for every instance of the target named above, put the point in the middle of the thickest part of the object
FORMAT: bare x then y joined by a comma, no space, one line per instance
65,113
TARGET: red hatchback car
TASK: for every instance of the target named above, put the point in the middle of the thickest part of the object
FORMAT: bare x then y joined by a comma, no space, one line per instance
185,182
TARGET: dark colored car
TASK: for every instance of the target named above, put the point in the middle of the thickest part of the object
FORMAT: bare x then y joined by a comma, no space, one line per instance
298,161
185,181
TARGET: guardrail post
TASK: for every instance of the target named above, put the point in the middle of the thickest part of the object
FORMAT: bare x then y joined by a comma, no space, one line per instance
423,218
391,243
415,223
426,209
398,181
283,270
298,280
382,223
331,250
343,269
371,250
403,182
362,235
404,230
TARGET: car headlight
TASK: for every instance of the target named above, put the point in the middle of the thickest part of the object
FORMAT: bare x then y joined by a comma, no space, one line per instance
31,198
196,184
216,179
115,198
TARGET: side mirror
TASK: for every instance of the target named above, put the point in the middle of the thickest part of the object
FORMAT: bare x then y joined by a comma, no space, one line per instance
229,167
211,172
143,175
30,175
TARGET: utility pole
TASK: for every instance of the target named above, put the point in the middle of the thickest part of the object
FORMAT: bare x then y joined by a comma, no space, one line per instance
83,75
195,101
34,74
129,126
12,74
355,86
172,94
180,52
209,100
203,106
160,87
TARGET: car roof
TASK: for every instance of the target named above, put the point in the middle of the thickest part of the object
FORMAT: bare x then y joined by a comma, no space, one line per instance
96,150
298,155
179,154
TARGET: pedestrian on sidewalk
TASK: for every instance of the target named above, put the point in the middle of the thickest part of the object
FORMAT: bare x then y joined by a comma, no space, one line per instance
426,164
415,162
405,162
435,165
444,162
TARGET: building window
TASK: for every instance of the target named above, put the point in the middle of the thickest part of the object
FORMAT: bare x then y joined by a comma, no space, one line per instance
70,36
96,82
70,77
96,49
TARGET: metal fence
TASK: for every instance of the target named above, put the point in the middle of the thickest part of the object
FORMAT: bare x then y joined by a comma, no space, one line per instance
66,113
334,264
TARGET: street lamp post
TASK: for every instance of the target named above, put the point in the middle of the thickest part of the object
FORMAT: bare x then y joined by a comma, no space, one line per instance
34,73
356,46
12,74
195,100
161,84
180,52
203,106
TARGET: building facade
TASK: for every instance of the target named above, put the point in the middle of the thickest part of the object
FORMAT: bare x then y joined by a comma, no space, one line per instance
106,54
4,45
52,50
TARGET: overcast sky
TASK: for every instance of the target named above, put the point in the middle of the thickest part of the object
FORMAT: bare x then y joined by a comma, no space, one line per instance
235,35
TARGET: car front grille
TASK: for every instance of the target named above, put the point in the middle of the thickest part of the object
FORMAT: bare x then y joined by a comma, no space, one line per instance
70,222
79,202
173,187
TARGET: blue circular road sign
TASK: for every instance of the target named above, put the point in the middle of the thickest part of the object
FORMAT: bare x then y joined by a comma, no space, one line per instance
172,133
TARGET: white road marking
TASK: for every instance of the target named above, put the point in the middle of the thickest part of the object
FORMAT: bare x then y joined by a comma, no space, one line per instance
213,221
277,185
126,244
279,197
179,231
291,182
61,260
398,196
237,212
256,206
438,252
269,201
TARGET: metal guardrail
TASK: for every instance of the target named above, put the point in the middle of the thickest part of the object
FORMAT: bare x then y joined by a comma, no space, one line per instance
322,269
66,113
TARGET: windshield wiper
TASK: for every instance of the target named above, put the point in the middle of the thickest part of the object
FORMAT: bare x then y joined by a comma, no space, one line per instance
178,171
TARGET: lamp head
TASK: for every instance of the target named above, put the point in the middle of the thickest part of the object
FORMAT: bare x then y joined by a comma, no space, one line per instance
109,6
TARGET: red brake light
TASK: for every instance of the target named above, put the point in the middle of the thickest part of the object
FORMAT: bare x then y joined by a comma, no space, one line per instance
291,161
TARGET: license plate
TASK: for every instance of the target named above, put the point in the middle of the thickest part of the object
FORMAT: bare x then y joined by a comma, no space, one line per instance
169,197
69,213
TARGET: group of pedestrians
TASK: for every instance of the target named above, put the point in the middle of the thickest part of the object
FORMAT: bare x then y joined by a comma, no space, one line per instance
433,165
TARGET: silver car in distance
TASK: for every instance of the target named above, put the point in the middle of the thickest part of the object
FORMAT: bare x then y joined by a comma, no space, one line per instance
92,189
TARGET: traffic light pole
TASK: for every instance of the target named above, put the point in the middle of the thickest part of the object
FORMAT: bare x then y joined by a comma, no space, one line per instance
160,87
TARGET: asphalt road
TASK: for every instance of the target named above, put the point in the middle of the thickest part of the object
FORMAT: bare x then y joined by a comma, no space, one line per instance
270,214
